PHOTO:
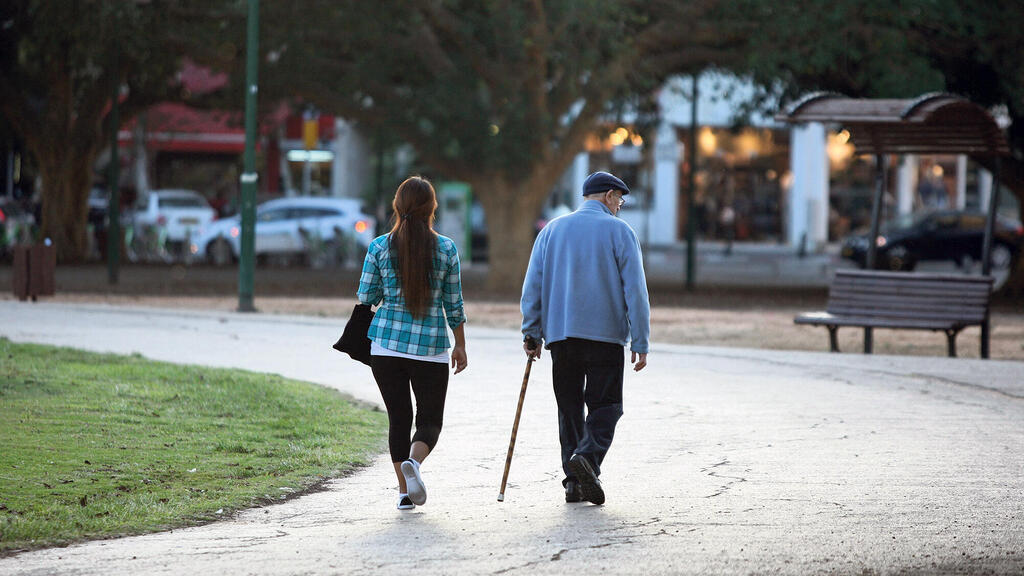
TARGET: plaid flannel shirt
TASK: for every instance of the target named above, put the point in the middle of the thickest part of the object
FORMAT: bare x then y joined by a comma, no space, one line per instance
393,326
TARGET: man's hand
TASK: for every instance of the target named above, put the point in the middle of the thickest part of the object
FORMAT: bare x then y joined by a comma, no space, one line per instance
532,352
638,364
459,361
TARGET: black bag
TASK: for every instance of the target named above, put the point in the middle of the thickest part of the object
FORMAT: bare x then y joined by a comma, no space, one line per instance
354,341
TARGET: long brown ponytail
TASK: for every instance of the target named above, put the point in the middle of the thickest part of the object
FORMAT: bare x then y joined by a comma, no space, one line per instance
413,241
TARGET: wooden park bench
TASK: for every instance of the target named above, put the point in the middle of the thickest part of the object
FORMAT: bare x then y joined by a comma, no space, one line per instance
904,300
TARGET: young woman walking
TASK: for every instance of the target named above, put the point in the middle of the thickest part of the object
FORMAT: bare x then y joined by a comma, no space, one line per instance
413,273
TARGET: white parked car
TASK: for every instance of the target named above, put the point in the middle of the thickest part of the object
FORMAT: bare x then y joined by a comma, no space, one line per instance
183,214
318,228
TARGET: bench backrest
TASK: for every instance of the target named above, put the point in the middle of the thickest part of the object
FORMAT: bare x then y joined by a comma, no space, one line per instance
910,296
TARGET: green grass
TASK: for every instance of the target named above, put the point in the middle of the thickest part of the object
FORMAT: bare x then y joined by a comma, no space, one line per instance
99,445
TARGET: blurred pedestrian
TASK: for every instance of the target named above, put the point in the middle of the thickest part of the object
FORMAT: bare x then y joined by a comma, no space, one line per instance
727,219
584,298
413,273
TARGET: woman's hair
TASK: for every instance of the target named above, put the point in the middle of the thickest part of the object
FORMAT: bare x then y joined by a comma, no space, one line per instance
413,241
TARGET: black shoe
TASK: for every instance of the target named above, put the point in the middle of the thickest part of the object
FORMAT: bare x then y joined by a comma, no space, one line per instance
572,491
589,485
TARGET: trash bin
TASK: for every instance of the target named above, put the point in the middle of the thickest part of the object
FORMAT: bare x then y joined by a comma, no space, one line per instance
34,271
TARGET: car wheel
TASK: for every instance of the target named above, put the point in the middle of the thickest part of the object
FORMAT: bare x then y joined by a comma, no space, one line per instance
898,259
1001,257
219,253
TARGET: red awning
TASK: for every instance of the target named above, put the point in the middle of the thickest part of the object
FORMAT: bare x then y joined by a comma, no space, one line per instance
176,127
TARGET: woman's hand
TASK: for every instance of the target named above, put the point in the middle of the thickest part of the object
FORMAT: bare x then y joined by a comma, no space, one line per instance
459,361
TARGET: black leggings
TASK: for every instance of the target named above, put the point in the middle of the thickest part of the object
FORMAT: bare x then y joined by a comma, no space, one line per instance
430,385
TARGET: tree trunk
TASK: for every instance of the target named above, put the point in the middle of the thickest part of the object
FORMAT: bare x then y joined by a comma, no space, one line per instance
511,210
65,193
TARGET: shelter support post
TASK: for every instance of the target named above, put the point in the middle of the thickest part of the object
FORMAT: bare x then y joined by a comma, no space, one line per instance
986,248
876,216
990,221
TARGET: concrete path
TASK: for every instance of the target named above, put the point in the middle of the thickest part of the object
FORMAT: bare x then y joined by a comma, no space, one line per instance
726,461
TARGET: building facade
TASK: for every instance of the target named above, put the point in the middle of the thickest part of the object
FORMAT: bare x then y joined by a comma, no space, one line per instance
758,180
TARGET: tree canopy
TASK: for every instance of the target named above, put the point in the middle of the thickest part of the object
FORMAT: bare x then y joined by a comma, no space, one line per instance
497,94
878,49
60,64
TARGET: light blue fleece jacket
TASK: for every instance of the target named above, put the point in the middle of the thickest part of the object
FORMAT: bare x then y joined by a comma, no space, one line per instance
586,280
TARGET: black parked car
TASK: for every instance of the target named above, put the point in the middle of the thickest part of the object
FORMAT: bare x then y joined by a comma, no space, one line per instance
941,235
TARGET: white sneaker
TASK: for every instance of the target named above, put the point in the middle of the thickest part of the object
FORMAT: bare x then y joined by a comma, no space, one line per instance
404,502
413,482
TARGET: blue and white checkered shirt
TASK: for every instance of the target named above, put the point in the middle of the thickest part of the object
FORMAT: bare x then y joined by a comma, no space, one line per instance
393,326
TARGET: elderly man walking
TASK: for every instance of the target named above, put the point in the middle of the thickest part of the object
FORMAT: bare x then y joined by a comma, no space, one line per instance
585,298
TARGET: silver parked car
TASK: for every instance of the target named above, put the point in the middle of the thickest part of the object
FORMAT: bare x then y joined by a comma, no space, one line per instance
178,215
324,231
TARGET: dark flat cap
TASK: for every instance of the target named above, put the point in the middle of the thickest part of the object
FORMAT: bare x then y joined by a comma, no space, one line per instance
600,182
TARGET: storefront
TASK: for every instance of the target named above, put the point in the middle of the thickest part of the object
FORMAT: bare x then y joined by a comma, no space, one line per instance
762,181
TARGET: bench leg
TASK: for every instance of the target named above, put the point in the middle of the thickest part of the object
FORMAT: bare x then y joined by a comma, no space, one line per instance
951,342
867,341
985,334
833,340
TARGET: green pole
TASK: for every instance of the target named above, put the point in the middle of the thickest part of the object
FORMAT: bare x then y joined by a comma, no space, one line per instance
113,180
249,176
691,222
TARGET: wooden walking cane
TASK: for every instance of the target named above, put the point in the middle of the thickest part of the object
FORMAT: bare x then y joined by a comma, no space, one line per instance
515,428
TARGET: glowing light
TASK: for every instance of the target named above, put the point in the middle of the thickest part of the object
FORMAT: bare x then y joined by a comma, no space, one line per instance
594,143
749,143
881,241
310,156
361,226
707,141
637,140
937,171
494,128
839,149
234,232
787,180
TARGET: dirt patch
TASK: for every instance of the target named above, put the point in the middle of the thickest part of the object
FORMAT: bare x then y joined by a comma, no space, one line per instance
747,328
708,316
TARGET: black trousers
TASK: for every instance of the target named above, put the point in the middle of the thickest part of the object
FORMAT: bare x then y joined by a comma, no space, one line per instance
429,382
590,373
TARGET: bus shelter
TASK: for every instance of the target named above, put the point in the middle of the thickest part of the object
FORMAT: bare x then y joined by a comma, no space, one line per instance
930,124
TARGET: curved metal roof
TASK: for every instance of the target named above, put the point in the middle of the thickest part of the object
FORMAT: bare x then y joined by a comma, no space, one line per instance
930,124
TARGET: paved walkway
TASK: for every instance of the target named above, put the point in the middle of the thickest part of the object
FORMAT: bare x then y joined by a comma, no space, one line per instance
726,461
